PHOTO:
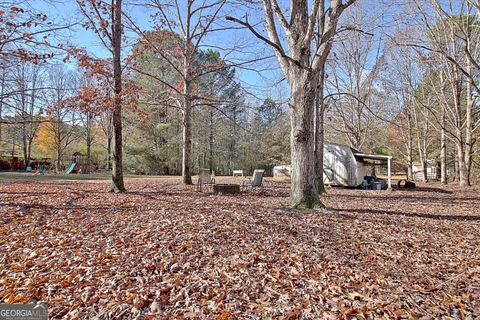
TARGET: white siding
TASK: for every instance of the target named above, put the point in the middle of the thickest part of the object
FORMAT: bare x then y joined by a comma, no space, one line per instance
340,166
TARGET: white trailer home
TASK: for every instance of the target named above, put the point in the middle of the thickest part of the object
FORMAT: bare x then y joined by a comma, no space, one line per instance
343,166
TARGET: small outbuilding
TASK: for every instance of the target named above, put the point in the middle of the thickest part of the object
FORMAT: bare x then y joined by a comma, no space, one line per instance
344,166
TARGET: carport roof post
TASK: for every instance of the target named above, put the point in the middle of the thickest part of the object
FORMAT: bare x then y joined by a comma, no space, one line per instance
380,157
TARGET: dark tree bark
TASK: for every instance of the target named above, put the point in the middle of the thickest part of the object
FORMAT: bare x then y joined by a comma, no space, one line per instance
409,147
304,191
443,152
320,132
117,163
187,137
210,141
309,38
89,140
109,151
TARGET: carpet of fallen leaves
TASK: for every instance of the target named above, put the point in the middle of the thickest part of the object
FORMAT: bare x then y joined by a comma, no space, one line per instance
165,251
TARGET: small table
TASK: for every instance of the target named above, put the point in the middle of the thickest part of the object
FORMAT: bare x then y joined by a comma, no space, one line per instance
226,188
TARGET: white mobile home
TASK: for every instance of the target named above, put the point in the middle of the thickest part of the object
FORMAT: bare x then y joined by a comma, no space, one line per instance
343,166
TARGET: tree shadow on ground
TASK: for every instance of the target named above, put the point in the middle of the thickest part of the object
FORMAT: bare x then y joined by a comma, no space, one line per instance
449,217
426,189
420,199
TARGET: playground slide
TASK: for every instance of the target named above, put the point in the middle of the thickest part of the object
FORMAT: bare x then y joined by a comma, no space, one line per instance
70,169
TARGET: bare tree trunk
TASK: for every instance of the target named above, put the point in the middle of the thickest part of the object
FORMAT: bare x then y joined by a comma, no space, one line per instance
304,193
301,64
455,164
117,164
422,149
187,115
469,130
25,143
29,150
88,141
462,169
409,145
23,115
109,151
423,160
459,139
2,92
58,143
443,150
320,132
187,141
210,141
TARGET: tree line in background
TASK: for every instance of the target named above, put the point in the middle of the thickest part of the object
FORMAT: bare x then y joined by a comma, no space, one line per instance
404,84
53,112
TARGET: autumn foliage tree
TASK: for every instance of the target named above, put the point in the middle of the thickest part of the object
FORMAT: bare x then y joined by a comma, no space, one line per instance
26,33
94,98
105,19
27,36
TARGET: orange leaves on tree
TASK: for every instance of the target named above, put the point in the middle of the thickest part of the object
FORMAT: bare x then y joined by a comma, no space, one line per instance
45,139
16,9
28,31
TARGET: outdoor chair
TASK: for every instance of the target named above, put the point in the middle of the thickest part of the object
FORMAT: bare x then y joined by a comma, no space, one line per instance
256,180
236,173
205,178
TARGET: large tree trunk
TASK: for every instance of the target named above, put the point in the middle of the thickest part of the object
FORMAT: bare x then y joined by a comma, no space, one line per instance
423,159
117,164
88,142
462,169
29,149
109,151
24,120
443,150
409,147
304,193
459,139
455,168
25,143
187,141
58,143
210,141
2,92
187,100
301,64
469,130
187,122
319,132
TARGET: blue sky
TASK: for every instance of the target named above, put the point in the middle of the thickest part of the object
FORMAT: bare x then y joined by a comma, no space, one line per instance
258,84
263,80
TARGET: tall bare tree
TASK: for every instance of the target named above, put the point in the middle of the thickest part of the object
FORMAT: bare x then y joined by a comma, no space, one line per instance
63,121
186,26
27,81
106,21
302,60
451,33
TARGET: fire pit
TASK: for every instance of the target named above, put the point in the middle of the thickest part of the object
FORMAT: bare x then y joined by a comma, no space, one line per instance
225,188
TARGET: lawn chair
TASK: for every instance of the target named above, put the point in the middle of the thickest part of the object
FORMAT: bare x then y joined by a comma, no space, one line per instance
256,180
237,173
205,178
